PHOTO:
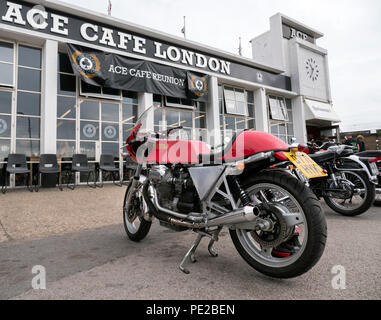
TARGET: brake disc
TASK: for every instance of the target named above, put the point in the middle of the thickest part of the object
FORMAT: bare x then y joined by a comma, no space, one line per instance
133,209
275,237
346,193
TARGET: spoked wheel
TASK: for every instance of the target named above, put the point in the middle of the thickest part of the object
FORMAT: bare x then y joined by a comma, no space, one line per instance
355,199
296,239
135,225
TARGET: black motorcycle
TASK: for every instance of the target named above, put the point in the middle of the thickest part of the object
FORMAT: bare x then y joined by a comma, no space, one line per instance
374,157
349,188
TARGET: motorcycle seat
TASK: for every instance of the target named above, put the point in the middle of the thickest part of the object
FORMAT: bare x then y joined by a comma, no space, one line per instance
214,158
217,157
323,156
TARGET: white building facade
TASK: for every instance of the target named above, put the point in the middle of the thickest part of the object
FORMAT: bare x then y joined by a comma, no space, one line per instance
45,108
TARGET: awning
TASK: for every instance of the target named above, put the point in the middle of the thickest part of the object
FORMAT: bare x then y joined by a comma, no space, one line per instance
315,110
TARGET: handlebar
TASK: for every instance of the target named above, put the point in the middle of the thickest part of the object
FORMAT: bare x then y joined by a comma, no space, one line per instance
156,135
173,129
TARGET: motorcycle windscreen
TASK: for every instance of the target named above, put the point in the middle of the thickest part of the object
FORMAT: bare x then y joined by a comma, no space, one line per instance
205,178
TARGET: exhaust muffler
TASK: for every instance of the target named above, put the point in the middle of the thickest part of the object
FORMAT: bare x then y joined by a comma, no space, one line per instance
242,215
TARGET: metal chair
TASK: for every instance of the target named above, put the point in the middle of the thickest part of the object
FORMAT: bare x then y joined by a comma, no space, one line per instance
16,165
107,164
48,165
81,164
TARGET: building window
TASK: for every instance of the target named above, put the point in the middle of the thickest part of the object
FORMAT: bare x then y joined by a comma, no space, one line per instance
179,103
129,113
281,118
7,58
96,125
192,120
66,108
277,107
28,101
5,124
235,101
89,90
237,111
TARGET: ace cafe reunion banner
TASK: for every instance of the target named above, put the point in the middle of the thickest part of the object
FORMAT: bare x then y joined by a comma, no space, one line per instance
118,72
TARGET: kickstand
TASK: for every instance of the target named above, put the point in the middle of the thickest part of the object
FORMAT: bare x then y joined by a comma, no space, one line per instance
191,252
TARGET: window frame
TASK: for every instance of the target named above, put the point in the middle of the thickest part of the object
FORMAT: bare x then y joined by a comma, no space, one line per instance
281,108
14,64
225,99
101,95
67,96
17,90
277,123
177,105
247,119
195,113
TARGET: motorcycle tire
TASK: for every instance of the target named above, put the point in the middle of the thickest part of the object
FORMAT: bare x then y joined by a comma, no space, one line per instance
314,219
368,202
144,226
377,202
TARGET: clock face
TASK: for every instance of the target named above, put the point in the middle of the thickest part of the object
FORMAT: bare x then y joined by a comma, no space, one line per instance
312,69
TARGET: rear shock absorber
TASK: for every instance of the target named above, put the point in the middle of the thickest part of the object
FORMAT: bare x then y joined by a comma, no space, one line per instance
242,194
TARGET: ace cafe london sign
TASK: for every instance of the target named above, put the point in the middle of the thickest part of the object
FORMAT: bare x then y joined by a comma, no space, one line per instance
290,33
23,14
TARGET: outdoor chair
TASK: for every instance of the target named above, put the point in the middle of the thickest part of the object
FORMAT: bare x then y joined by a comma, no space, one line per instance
107,164
80,164
16,165
48,165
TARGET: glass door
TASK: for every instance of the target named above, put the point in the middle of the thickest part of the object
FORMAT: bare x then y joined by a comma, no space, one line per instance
99,131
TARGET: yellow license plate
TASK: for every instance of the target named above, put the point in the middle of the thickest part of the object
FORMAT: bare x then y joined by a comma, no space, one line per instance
306,165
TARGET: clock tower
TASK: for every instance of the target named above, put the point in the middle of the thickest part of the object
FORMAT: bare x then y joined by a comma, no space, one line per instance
292,47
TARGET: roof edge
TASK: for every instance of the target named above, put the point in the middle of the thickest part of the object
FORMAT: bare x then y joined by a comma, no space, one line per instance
116,22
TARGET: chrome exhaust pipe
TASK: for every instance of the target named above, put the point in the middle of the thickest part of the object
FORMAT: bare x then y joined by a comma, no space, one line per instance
153,195
242,215
378,190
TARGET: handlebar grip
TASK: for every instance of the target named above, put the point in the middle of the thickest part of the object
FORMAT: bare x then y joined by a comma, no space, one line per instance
175,128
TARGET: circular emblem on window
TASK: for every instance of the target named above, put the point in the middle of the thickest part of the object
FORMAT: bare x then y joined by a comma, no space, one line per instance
110,132
3,126
88,65
89,131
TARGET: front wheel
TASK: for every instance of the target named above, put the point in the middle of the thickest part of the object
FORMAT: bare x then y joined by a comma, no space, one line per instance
359,201
135,225
289,249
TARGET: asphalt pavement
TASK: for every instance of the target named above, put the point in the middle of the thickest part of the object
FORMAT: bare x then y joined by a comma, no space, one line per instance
101,263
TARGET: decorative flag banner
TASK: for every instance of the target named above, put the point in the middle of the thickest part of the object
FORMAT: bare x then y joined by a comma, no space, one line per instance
118,72
109,8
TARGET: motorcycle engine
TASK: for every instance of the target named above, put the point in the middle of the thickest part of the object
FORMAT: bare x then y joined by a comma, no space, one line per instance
174,188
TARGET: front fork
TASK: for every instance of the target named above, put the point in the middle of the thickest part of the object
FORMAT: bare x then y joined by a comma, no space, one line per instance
134,185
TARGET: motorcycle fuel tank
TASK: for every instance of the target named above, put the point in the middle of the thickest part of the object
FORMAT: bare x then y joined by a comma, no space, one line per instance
177,151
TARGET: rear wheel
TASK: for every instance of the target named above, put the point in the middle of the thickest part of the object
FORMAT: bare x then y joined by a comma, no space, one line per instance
377,202
360,199
289,249
135,225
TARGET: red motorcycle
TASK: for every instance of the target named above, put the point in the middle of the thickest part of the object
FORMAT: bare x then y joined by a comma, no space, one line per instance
276,223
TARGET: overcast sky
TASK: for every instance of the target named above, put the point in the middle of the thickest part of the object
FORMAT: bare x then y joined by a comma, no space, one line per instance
352,30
